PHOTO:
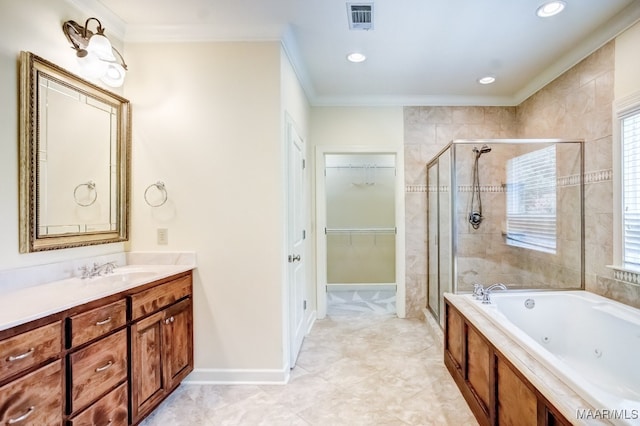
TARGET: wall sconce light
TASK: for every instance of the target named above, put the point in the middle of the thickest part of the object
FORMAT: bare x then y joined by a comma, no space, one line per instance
98,59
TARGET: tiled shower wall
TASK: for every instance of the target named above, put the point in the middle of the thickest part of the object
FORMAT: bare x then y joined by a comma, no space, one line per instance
427,131
483,254
577,105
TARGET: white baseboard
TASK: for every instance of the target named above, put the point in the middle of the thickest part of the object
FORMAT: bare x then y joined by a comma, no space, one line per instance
218,376
311,319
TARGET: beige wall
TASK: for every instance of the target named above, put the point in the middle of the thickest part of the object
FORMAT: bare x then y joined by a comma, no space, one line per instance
356,126
627,62
210,127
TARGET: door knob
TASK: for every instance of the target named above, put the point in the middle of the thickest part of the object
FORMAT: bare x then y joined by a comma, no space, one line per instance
293,258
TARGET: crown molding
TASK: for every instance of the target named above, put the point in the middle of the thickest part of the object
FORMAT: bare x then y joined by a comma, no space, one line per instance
113,24
607,32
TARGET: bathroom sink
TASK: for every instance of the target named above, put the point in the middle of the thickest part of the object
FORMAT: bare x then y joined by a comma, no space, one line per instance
130,276
125,275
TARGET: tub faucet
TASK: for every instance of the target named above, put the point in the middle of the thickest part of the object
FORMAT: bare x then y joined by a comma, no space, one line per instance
486,294
478,291
97,270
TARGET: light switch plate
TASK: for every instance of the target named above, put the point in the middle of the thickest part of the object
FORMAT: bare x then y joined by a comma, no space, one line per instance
163,236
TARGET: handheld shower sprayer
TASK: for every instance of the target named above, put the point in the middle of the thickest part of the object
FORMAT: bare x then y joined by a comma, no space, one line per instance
483,150
475,217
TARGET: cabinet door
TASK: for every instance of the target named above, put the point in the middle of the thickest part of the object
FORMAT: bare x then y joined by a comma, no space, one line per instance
147,383
178,346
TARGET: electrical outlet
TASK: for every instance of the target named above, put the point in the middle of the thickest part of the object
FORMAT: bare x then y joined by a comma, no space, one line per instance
163,236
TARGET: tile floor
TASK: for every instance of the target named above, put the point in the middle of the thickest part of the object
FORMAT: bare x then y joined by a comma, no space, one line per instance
359,366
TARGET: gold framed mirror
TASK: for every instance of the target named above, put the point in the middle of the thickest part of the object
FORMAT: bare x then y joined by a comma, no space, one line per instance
75,150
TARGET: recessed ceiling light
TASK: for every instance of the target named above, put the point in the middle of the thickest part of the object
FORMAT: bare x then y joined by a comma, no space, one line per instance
550,8
356,57
487,79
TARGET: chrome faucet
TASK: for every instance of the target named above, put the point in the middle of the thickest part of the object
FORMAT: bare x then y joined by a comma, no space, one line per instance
486,294
478,291
97,269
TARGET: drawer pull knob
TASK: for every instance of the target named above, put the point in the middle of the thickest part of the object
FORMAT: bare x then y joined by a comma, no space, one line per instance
104,367
103,322
21,356
22,417
169,320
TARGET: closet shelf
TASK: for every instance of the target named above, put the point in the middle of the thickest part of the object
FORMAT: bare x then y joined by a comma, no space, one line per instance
360,230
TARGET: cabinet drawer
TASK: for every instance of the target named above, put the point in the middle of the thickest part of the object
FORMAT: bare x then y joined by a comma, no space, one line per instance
96,322
97,368
152,300
35,399
109,410
28,349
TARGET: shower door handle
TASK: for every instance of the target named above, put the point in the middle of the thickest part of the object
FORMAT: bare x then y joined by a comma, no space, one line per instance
293,258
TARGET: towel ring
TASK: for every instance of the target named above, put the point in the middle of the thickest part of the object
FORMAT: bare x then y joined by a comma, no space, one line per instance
91,186
160,187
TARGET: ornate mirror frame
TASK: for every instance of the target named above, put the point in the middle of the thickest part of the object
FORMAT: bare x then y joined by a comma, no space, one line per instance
32,70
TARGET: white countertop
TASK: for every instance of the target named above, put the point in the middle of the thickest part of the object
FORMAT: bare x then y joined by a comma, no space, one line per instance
22,305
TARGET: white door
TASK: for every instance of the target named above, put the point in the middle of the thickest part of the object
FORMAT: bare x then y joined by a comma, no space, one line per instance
296,240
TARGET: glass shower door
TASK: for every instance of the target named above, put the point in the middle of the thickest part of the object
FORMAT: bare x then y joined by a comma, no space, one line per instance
439,235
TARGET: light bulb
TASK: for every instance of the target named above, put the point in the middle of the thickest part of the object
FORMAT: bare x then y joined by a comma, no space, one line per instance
100,46
91,66
114,74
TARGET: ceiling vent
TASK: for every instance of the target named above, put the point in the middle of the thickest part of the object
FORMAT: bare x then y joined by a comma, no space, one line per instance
360,16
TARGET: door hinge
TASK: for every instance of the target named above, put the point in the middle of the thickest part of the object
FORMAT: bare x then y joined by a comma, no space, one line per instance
304,163
304,234
304,305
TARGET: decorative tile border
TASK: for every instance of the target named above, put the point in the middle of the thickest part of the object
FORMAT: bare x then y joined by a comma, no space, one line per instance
598,176
483,188
416,188
572,180
626,276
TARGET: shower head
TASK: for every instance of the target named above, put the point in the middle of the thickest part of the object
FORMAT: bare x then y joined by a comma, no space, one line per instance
482,150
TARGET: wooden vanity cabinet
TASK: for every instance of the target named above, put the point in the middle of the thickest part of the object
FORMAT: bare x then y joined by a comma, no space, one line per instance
108,362
161,343
497,393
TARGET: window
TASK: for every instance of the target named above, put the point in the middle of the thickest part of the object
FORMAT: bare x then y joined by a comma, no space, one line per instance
630,149
531,200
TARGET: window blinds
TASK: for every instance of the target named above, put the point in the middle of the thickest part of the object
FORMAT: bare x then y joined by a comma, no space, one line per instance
631,188
531,200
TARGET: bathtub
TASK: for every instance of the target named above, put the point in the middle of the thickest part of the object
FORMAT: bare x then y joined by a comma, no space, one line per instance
589,342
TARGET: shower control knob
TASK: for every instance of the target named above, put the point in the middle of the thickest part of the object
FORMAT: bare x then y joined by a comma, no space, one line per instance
475,218
293,258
